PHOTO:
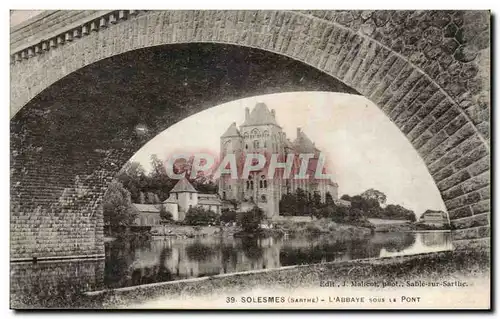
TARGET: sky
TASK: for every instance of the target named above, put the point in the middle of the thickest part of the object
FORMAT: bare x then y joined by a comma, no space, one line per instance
364,149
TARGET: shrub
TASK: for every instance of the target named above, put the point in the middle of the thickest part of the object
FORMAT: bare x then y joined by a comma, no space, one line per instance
250,221
311,228
164,214
199,216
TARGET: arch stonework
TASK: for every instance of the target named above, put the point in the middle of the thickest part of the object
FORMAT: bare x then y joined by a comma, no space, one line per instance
428,71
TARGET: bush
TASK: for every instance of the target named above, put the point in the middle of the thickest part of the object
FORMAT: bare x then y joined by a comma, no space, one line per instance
199,216
250,221
313,229
164,214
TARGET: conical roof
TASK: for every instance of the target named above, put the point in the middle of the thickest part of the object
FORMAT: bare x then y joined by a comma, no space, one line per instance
183,186
260,115
231,131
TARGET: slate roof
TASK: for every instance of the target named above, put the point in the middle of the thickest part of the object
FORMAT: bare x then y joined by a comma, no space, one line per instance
209,199
231,131
303,143
183,186
260,115
147,208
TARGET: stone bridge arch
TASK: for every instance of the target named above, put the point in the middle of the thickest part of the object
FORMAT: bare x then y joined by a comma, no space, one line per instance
427,70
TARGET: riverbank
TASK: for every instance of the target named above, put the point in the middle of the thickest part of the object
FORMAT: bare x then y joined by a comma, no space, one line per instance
186,231
407,226
416,269
281,228
322,226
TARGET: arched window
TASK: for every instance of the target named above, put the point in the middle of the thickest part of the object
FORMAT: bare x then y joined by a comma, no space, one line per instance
248,184
265,134
246,146
263,198
256,144
246,135
261,185
251,184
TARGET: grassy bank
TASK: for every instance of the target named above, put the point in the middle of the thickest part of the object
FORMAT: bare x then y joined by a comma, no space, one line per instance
322,226
281,228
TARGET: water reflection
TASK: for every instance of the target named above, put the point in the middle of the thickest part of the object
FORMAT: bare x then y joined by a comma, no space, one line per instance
132,262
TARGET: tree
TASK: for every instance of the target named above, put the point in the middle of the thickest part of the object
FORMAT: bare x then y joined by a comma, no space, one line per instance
164,214
399,212
316,200
329,199
346,197
158,181
288,205
133,178
301,198
152,198
354,216
117,206
371,193
250,220
228,215
370,207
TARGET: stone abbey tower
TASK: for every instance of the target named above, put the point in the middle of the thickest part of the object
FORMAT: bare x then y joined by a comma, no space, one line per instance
260,133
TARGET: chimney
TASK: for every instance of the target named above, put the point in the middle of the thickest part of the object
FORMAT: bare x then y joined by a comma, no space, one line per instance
273,113
247,113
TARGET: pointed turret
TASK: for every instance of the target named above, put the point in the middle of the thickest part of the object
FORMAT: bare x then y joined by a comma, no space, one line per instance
260,115
303,144
231,131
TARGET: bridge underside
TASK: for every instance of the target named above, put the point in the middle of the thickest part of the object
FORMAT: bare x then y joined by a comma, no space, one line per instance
75,115
72,139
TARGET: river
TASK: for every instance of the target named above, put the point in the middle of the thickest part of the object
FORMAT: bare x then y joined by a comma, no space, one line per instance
134,262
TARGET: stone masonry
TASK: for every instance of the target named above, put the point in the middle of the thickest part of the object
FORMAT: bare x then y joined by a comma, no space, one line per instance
427,70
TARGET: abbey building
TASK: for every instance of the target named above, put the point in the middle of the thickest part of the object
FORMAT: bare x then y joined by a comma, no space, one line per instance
260,133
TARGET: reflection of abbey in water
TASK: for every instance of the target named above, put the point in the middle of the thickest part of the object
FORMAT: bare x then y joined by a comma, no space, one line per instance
261,133
181,258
